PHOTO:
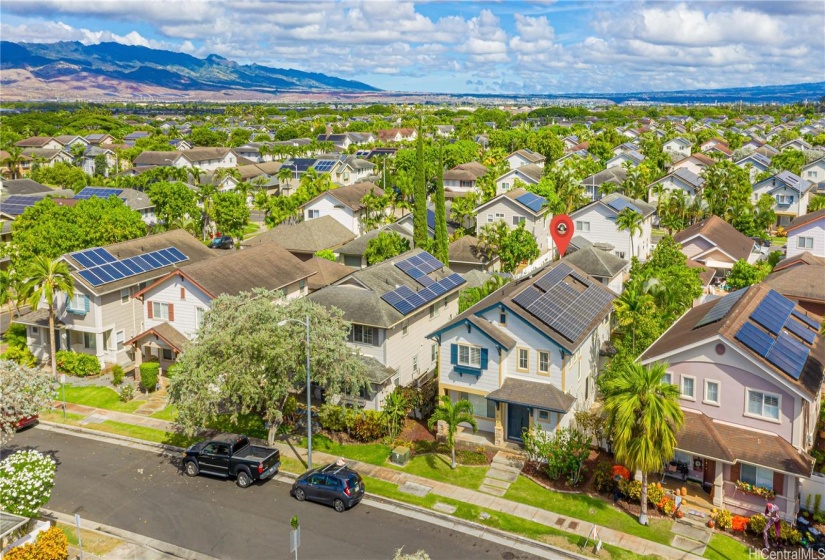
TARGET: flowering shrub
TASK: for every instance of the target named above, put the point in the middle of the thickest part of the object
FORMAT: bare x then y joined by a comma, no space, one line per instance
739,523
26,481
789,534
755,490
621,471
655,494
632,489
757,523
724,519
667,505
49,545
23,392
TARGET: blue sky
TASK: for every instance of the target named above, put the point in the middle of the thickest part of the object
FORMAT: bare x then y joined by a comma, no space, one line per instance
529,46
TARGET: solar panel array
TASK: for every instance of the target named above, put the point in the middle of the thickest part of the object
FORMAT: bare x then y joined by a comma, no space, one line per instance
324,165
93,257
723,305
532,201
561,306
17,204
132,266
619,204
405,300
92,192
418,266
787,337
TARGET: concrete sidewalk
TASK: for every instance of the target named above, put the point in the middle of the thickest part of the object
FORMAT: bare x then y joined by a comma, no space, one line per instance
561,522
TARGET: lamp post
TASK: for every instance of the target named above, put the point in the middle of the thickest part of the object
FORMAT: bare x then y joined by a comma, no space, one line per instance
309,402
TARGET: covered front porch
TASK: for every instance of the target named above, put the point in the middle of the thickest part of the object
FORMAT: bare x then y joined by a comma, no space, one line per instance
161,343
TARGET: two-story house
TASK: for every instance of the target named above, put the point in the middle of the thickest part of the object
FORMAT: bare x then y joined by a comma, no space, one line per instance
749,367
613,175
755,163
677,148
596,223
39,142
807,233
208,159
397,135
345,204
527,355
306,238
791,192
102,315
628,157
393,306
717,245
523,157
695,163
514,207
681,179
462,179
348,170
529,174
173,306
600,265
136,200
814,171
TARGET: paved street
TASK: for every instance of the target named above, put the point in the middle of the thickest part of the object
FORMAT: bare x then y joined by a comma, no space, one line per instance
145,493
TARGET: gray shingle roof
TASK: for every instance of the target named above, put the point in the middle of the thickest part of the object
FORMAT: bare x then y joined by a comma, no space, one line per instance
309,236
597,263
351,195
534,394
10,187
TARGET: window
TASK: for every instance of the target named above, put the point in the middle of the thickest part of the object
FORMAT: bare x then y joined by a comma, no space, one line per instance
124,295
784,199
469,356
505,186
199,311
758,476
582,226
312,214
764,405
523,363
812,173
89,340
805,242
688,387
79,302
120,340
499,216
518,219
544,362
489,218
35,330
667,379
415,363
481,406
302,287
433,352
183,293
502,317
363,334
167,354
544,415
712,392
160,310
433,311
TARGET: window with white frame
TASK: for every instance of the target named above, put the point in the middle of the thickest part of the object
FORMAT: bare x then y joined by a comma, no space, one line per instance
160,310
805,242
523,363
711,392
489,218
363,334
784,199
582,226
312,214
415,363
518,219
120,340
688,387
481,406
544,362
199,311
758,476
469,356
505,186
499,216
433,352
433,311
124,295
764,405
667,379
89,341
79,302
812,173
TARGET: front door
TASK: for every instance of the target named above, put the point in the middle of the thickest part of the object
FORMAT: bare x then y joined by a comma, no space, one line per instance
518,420
709,475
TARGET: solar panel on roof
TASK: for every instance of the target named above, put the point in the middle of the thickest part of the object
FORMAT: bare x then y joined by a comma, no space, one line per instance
758,341
94,192
91,277
430,263
416,260
527,297
800,330
405,265
416,300
399,303
721,308
425,280
83,260
773,311
788,354
619,204
113,269
807,320
405,291
104,254
532,201
553,277
324,165
414,273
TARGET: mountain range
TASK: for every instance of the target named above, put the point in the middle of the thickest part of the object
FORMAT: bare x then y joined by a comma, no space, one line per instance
75,70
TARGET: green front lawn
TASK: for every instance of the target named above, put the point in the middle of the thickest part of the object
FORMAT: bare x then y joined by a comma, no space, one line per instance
437,467
372,453
98,397
170,414
247,424
121,428
594,510
722,547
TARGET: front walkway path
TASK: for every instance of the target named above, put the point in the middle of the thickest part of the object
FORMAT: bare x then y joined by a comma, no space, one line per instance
579,527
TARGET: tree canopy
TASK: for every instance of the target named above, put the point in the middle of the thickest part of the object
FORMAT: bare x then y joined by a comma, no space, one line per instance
174,202
231,213
25,392
385,245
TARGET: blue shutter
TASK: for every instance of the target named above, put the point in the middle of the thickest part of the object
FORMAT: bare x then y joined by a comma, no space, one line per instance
791,199
483,358
453,354
86,304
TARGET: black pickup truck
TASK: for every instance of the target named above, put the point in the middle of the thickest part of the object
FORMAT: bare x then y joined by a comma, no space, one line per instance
232,455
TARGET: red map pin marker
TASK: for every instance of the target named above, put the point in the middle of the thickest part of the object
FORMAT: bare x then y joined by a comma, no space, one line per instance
561,230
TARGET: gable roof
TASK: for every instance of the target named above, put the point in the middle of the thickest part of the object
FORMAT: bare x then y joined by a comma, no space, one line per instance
689,177
619,200
804,258
723,235
799,282
10,187
616,174
514,195
596,263
529,155
807,219
196,155
309,236
465,250
33,142
470,171
350,195
358,246
326,272
151,157
687,331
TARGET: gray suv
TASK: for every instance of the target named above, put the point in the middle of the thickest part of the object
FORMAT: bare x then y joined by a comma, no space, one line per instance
335,484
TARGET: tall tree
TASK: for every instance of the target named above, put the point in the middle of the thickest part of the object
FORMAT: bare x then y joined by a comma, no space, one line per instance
420,233
442,243
13,161
174,202
630,221
453,414
231,214
644,417
242,362
44,279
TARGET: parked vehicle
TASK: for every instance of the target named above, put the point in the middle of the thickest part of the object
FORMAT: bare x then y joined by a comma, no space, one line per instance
27,422
231,455
335,484
222,242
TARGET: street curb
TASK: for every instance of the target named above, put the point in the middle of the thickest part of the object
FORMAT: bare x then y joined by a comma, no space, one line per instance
164,448
144,541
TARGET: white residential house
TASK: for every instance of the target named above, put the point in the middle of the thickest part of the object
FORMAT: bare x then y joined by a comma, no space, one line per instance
393,306
795,144
681,179
173,307
528,174
527,356
755,163
807,233
632,157
208,159
89,161
717,245
47,157
694,163
791,192
350,170
40,143
593,183
596,223
678,148
515,207
462,179
345,204
814,171
102,315
523,157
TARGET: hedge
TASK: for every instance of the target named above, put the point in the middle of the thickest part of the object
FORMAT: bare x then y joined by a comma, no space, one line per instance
76,363
149,372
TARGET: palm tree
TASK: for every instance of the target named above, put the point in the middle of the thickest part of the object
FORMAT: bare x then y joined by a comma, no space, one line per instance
644,415
196,174
284,175
9,295
44,279
632,303
630,221
13,161
453,414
